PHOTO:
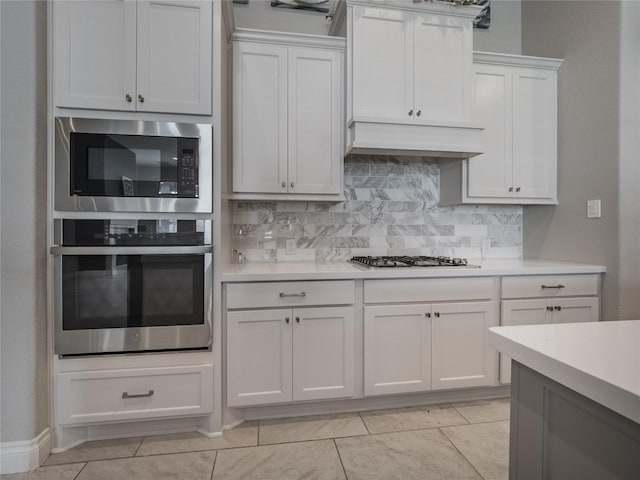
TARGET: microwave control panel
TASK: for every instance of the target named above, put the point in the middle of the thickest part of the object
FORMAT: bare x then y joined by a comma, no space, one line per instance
188,167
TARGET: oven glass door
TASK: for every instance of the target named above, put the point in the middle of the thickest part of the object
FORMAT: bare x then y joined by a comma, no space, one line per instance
124,291
133,165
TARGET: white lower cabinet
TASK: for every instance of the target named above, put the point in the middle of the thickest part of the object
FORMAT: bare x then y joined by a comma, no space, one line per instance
421,347
115,395
281,355
541,311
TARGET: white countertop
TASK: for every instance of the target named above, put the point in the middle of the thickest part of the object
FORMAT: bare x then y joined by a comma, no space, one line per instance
284,271
600,360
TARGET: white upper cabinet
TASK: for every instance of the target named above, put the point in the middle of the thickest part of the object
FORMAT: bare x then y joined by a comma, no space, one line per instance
152,56
409,78
515,99
288,112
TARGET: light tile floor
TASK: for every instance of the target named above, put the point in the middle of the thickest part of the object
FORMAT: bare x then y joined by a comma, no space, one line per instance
438,442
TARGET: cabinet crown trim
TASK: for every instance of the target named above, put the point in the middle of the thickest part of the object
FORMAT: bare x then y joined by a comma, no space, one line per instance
517,60
288,39
423,6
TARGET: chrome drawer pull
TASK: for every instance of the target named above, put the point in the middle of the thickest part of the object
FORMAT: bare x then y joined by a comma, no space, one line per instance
139,395
301,294
553,286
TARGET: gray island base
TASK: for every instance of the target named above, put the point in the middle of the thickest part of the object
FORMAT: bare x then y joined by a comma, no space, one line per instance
559,434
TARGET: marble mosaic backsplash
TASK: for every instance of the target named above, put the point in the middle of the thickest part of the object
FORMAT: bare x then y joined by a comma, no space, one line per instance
391,209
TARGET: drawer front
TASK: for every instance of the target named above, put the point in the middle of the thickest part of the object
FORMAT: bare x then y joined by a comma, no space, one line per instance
116,395
289,294
549,286
428,290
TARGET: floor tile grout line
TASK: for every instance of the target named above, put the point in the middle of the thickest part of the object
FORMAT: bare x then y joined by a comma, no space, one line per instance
139,446
81,470
462,454
335,444
215,460
364,423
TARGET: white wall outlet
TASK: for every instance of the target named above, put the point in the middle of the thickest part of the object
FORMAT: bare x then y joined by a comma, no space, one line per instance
290,246
593,209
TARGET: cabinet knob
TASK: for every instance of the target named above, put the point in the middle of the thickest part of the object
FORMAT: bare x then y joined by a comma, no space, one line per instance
428,315
518,189
550,309
284,184
292,185
511,189
411,112
558,308
297,319
418,113
286,319
437,314
128,98
140,98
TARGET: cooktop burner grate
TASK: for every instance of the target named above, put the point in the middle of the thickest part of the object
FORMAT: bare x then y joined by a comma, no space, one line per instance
411,261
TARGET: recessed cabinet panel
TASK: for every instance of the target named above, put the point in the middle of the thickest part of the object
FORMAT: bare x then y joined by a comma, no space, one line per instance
260,118
382,63
534,132
174,56
314,120
442,68
94,55
461,354
397,349
491,173
323,353
259,355
572,310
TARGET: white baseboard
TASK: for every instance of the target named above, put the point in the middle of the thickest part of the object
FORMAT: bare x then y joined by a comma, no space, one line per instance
23,456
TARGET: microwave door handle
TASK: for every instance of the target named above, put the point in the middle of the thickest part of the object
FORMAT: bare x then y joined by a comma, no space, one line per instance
113,250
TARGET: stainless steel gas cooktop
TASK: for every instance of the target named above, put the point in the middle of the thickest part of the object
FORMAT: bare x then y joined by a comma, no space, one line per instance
411,261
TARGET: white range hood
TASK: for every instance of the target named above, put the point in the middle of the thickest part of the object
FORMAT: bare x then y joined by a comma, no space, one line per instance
409,78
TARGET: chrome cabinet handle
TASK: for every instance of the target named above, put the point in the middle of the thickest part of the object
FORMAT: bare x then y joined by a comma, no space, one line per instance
301,294
137,395
418,113
128,98
411,112
284,184
140,98
286,319
545,287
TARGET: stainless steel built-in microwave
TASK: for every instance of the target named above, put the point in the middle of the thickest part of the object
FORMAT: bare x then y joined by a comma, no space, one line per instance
132,166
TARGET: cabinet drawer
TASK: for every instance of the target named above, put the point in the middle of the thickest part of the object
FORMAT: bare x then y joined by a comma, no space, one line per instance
286,294
428,290
131,394
549,286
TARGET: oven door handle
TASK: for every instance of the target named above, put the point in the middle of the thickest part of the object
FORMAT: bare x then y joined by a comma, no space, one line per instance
114,250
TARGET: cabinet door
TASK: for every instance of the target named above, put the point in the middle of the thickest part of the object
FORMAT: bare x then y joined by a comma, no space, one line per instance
259,118
461,355
382,63
522,312
323,353
259,357
397,349
572,310
94,54
491,174
174,56
443,59
315,117
534,132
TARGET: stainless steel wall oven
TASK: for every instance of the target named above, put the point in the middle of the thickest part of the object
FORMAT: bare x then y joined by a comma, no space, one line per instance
132,285
132,166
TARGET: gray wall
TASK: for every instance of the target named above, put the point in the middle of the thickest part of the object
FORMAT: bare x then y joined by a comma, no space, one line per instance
503,36
587,37
23,355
